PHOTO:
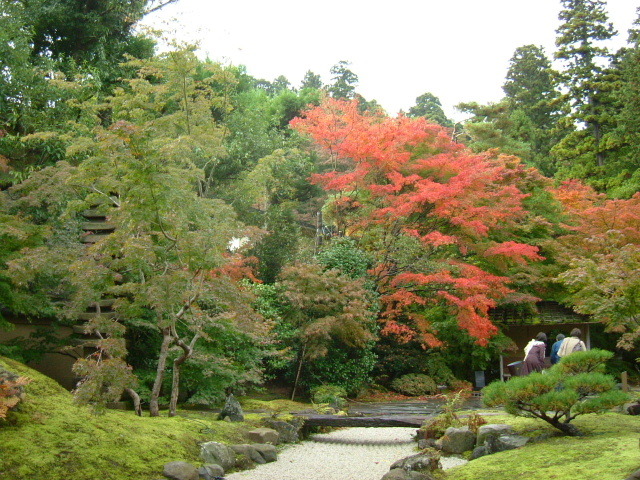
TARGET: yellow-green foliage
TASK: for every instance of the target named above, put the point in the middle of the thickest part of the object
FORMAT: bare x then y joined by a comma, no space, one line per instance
607,451
51,438
272,406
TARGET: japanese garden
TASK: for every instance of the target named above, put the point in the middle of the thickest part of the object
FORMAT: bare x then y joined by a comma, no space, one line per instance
194,260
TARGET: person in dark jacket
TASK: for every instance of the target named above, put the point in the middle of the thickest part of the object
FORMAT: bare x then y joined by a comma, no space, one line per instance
555,347
534,354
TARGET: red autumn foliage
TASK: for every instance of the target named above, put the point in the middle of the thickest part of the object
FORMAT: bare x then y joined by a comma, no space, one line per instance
238,268
405,177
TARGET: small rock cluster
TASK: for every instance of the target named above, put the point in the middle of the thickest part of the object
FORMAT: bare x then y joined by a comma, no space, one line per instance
489,439
415,467
219,458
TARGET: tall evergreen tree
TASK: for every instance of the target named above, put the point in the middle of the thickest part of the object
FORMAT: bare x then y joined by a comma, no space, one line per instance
534,104
311,80
344,81
580,41
628,119
429,106
530,85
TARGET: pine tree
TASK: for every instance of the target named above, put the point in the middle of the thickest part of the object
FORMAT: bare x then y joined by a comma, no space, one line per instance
344,81
580,47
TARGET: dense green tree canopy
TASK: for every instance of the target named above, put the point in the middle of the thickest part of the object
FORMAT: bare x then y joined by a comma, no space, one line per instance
429,106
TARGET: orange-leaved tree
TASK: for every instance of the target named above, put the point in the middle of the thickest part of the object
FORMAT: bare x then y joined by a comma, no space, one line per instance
601,254
436,216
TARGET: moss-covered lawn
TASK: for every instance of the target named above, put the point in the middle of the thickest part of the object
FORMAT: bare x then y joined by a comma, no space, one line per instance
609,450
50,438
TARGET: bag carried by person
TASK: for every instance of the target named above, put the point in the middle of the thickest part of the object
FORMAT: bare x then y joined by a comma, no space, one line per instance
570,345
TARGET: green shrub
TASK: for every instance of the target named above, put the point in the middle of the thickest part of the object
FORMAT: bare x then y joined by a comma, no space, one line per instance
332,394
457,385
453,402
415,384
347,367
11,391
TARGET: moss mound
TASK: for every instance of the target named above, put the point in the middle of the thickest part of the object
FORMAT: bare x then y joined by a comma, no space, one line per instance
607,451
51,438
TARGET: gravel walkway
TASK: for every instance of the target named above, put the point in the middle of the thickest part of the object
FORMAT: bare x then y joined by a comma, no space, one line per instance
348,454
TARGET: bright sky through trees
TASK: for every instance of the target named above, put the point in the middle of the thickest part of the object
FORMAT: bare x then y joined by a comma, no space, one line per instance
457,50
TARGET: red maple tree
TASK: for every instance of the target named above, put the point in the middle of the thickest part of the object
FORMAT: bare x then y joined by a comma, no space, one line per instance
433,212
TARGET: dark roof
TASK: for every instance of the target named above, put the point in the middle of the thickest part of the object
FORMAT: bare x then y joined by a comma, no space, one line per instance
544,312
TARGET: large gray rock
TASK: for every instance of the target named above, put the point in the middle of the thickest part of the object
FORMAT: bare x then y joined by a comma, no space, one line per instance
249,452
180,471
505,442
289,432
426,443
456,440
421,462
268,451
218,453
210,471
493,430
479,451
401,474
263,435
231,410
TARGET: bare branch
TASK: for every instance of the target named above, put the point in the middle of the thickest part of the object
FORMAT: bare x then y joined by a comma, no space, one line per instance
159,6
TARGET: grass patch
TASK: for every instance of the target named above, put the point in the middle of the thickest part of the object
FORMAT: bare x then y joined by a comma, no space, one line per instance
607,451
51,438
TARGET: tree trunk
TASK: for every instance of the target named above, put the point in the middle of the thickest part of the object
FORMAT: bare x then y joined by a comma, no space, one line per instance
295,383
136,401
597,134
175,384
187,351
567,428
167,340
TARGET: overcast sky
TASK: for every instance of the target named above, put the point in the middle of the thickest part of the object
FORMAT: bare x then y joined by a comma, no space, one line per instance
459,50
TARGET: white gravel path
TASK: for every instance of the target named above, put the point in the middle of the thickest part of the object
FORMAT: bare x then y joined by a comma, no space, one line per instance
348,454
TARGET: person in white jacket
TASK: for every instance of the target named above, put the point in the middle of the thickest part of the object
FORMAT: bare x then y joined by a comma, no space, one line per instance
572,344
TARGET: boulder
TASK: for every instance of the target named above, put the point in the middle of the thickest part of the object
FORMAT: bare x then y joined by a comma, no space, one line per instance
289,432
505,442
400,474
211,471
457,440
219,454
493,430
268,452
263,435
421,462
249,452
231,410
426,443
180,471
634,408
480,451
